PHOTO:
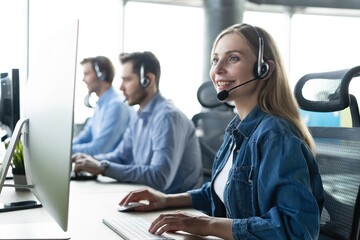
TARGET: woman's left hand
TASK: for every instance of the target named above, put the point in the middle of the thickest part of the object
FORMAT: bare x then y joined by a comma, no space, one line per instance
181,221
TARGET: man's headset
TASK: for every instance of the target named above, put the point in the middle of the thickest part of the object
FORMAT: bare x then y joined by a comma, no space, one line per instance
99,74
144,80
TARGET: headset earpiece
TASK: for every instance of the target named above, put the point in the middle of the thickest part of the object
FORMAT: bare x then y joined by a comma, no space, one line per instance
99,74
261,68
264,70
144,80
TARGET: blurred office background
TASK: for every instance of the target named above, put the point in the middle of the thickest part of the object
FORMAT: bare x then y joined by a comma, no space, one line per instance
310,39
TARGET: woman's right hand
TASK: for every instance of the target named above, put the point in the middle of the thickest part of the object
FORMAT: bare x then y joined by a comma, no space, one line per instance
156,200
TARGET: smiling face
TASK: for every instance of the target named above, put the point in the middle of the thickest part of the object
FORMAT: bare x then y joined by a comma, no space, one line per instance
233,64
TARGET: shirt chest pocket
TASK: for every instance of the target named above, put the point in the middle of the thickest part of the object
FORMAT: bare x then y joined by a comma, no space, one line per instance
243,174
241,190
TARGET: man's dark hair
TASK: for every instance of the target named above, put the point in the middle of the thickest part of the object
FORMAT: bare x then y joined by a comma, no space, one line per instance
105,66
147,59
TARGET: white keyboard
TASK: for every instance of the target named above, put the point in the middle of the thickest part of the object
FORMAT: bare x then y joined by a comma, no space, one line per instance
132,228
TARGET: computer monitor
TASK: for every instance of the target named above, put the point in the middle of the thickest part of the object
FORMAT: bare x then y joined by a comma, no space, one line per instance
9,101
47,126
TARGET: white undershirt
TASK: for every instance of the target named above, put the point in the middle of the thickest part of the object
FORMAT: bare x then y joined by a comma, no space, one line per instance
222,177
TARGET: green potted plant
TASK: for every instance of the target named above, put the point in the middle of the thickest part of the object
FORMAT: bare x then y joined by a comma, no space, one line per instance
17,165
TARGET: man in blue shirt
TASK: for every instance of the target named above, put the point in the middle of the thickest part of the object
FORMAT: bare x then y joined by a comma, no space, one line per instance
104,130
160,148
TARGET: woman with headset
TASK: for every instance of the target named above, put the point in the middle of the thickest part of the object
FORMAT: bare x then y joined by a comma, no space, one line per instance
265,181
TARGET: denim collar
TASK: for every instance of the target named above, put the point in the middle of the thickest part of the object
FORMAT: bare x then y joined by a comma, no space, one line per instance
248,125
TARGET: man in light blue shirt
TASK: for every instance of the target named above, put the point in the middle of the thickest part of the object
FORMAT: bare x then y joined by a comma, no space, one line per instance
104,130
160,148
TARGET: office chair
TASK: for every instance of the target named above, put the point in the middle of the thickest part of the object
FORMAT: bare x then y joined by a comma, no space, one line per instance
210,124
338,150
329,92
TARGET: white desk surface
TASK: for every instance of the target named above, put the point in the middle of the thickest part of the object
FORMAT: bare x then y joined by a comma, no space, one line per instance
90,201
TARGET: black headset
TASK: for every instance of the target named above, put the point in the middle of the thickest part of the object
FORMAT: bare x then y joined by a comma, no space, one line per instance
144,80
261,67
99,74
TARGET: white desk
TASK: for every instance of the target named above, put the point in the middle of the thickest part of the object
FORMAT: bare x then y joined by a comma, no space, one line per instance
90,201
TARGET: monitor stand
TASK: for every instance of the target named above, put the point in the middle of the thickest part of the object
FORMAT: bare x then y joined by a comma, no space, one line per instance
10,151
19,231
9,154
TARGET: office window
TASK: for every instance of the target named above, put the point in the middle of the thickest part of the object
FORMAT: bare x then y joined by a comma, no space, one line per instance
323,43
277,24
175,35
100,28
13,34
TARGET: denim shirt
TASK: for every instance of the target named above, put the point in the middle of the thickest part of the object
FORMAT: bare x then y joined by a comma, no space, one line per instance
274,189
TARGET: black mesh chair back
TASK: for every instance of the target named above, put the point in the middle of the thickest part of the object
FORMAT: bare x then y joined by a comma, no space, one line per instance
338,150
329,92
338,159
210,124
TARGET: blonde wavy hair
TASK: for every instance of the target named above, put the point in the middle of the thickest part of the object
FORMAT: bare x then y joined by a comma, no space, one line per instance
276,96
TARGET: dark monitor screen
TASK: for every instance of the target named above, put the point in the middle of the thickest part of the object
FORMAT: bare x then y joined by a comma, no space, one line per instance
10,101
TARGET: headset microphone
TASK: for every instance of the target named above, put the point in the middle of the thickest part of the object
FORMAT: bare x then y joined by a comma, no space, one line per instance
224,94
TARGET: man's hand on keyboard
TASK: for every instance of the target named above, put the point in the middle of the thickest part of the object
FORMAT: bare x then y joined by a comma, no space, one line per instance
84,162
